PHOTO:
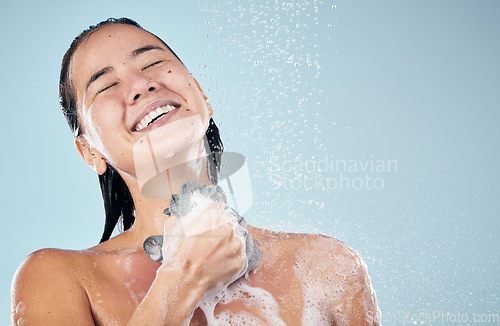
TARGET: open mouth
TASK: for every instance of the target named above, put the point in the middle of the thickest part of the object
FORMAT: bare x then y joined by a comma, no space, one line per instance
154,115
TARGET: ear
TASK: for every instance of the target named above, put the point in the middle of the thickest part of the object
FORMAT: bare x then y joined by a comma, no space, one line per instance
210,110
90,155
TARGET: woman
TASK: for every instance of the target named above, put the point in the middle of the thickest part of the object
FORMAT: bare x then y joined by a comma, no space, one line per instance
119,86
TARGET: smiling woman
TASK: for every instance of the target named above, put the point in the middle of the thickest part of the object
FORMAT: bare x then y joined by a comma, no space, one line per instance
123,90
118,202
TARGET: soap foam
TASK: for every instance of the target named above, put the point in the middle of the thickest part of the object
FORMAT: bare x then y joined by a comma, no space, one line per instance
324,288
255,297
17,317
189,225
260,299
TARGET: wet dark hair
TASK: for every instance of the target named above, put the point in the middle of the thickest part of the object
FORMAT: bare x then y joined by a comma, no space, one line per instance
118,202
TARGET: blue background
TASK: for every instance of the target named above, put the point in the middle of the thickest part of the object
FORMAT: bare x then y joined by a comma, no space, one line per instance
372,81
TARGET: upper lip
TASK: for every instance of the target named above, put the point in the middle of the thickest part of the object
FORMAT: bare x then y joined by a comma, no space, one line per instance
153,106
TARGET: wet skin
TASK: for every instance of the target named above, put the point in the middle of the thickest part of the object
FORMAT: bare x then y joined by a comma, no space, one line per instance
115,283
108,282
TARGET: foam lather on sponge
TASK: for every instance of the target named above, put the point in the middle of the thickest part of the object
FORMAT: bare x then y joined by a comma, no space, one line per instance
191,199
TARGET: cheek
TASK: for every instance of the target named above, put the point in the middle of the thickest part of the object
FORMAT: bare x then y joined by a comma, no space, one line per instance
102,125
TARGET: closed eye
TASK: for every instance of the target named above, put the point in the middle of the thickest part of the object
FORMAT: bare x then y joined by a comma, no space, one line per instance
105,88
153,64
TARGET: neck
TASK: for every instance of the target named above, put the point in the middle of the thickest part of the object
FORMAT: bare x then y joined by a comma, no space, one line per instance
183,166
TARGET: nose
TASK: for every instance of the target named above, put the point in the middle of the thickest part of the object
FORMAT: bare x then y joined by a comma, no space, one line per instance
140,86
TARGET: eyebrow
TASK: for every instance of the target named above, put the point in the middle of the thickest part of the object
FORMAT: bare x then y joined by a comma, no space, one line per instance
98,74
146,48
134,54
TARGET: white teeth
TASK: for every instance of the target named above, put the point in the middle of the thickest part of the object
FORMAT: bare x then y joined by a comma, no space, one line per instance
152,115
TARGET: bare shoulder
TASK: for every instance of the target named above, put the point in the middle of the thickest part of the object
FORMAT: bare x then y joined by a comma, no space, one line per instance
312,250
43,265
336,271
46,289
333,277
320,250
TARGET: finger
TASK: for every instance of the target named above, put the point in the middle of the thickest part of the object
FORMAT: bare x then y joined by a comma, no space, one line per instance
170,227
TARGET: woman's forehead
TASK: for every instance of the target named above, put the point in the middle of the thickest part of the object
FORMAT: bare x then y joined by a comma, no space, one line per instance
109,45
113,41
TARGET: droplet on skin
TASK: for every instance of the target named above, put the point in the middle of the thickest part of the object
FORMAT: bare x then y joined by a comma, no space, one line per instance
20,308
318,288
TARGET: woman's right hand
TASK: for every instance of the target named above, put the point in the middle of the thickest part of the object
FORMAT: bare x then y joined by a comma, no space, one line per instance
200,253
204,246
